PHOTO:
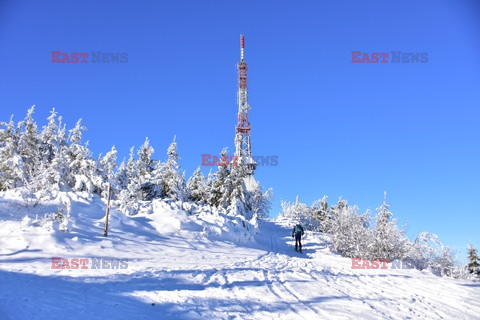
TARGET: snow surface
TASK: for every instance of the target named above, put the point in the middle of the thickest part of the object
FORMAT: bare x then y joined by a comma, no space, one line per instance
191,262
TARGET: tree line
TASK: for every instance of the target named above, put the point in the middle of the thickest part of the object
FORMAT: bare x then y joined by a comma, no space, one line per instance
41,163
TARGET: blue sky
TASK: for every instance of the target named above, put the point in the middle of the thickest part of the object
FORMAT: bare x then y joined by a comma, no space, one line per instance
338,128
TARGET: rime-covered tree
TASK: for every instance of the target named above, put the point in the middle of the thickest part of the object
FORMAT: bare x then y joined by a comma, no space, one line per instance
173,181
473,265
83,172
320,212
390,242
219,183
128,180
300,212
261,202
149,173
145,164
121,178
428,252
109,165
29,143
196,186
350,232
54,167
49,138
11,163
235,191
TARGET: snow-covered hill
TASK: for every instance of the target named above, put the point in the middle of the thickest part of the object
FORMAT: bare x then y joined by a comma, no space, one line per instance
176,261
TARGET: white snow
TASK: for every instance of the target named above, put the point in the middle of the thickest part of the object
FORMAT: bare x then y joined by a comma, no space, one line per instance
187,262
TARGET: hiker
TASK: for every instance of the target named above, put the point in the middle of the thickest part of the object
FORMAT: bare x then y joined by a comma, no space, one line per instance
297,232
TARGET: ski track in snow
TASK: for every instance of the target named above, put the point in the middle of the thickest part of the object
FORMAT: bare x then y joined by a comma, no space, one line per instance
179,275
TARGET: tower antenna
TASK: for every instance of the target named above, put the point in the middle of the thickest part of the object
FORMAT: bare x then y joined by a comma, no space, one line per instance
243,148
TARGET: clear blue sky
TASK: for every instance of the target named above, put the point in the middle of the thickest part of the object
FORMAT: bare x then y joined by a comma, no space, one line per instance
339,129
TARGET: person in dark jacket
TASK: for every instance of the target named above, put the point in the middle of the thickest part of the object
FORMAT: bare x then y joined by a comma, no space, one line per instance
297,232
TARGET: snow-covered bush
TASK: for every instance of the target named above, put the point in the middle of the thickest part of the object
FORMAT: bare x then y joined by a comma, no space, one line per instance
350,233
473,266
300,213
389,242
428,252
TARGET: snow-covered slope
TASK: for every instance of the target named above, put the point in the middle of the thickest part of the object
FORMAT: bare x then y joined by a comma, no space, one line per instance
187,262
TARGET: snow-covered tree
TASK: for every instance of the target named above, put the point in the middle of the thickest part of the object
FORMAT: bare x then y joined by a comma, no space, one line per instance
197,186
11,163
473,265
299,212
173,180
128,180
53,171
390,242
220,182
145,164
121,178
350,232
29,145
149,173
261,202
83,174
320,213
428,252
235,193
109,165
49,136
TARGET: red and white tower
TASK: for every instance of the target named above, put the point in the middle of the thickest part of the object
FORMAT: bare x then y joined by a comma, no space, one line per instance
243,148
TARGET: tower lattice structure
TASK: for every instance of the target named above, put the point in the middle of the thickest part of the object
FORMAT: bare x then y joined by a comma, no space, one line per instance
243,147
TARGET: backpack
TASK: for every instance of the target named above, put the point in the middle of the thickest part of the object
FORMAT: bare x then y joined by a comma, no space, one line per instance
298,229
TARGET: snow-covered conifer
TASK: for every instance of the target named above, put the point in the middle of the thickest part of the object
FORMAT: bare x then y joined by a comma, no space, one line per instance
218,183
473,265
196,186
29,145
173,180
109,165
390,242
11,163
261,202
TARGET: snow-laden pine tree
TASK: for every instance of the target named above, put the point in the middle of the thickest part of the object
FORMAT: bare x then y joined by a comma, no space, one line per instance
49,138
327,224
149,175
145,164
109,165
173,181
320,213
53,171
197,187
261,202
473,265
390,242
299,212
120,179
428,252
350,232
128,183
29,146
11,163
235,194
220,184
83,172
